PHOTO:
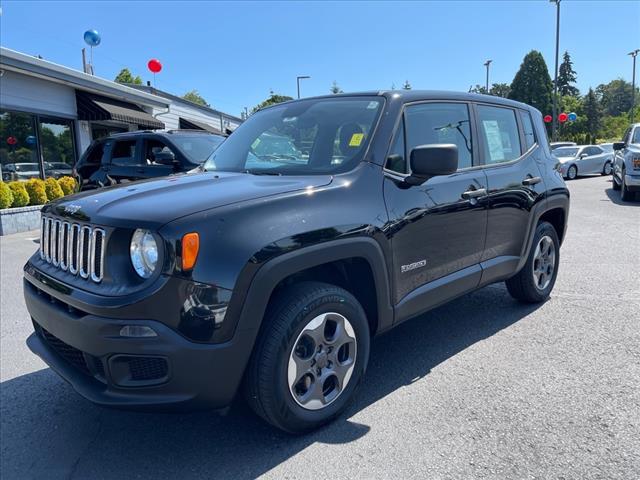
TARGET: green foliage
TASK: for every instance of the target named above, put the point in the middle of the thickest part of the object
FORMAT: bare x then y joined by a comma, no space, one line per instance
52,189
566,77
593,114
532,84
272,100
615,96
195,97
36,190
67,184
125,76
613,128
407,85
6,197
335,89
20,195
497,90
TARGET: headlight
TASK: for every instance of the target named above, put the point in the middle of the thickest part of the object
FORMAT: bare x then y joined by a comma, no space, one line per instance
144,253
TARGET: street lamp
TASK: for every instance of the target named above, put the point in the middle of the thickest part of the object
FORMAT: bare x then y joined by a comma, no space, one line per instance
486,64
554,125
633,54
301,77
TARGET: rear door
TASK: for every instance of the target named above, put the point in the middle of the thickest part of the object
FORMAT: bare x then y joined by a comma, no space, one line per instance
510,153
595,159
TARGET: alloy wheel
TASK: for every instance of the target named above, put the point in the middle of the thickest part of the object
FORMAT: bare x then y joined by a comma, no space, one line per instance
321,361
572,173
607,168
544,262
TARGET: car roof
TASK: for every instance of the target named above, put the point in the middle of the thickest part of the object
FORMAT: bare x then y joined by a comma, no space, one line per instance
408,96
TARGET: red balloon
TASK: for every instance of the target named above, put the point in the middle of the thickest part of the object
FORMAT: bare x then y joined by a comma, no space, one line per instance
563,117
154,65
12,140
547,118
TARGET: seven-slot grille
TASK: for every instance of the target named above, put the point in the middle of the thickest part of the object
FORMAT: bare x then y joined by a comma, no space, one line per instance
74,248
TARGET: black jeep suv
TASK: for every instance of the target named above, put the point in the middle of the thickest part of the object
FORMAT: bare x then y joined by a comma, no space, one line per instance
131,156
271,271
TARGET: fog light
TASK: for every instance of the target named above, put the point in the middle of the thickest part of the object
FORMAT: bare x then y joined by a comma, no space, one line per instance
137,331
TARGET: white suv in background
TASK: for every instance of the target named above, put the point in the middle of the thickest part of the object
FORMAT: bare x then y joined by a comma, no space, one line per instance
626,163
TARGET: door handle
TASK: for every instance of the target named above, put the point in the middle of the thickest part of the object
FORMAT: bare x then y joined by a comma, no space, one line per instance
478,192
531,181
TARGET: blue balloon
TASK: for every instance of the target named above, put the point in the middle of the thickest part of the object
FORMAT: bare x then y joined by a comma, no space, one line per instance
573,116
31,140
92,38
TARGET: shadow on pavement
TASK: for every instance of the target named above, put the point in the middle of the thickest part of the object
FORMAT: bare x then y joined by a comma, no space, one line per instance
615,197
48,431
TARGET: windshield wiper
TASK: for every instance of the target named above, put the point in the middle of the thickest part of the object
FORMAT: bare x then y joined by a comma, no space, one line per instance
262,172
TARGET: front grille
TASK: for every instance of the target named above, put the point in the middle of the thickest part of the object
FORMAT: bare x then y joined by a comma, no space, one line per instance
74,248
148,368
71,354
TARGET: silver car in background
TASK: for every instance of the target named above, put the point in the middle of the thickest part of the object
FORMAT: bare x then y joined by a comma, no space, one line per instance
583,160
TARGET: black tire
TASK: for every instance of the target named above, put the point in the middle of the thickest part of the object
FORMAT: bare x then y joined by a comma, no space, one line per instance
615,185
266,386
522,286
574,175
607,168
625,194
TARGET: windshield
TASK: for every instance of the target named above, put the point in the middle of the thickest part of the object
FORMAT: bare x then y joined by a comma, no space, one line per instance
26,167
318,136
197,148
566,152
636,135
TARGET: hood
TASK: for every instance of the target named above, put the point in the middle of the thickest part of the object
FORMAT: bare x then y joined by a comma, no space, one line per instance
153,203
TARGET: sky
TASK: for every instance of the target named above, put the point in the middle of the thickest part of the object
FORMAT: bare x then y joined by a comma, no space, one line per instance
235,53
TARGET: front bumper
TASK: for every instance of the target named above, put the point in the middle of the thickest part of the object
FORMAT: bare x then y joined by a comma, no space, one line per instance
167,371
632,182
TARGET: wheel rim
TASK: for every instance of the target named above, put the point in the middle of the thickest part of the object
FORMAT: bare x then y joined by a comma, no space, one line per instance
572,173
321,361
607,169
544,262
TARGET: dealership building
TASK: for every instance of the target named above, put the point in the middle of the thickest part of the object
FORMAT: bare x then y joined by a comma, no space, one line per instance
50,114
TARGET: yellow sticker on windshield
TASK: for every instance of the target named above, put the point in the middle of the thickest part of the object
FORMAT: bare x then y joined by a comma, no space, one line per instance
356,139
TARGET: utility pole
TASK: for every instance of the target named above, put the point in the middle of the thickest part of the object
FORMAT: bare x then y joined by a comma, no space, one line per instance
554,125
633,54
486,87
301,77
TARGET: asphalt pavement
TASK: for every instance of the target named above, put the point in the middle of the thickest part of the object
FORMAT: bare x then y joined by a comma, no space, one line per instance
483,387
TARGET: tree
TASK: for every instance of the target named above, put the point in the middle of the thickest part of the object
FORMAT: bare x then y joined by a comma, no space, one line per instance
407,85
566,77
478,89
593,114
125,76
615,97
335,89
497,90
272,100
195,97
532,83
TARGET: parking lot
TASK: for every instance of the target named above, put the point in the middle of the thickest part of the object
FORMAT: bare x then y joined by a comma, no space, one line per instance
481,388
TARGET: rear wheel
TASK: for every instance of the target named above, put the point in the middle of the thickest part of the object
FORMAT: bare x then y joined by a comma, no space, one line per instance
607,169
535,281
572,173
310,358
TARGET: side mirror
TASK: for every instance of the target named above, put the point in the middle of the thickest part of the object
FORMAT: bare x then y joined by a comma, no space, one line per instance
432,160
618,145
165,157
582,155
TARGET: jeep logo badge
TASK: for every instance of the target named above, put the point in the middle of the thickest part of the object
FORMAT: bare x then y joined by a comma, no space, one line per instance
71,209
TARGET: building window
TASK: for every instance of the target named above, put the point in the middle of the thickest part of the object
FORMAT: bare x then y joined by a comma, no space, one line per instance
33,146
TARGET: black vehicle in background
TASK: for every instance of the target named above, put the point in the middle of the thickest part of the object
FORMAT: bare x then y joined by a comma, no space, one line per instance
126,157
317,225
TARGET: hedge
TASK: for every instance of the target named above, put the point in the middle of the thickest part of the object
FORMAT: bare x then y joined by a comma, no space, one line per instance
36,190
20,195
53,190
67,184
6,197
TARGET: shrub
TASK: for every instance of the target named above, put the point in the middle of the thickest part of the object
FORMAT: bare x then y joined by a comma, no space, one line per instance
37,193
20,195
67,184
53,190
6,197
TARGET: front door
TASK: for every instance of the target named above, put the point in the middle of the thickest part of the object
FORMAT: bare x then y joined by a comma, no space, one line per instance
126,163
437,229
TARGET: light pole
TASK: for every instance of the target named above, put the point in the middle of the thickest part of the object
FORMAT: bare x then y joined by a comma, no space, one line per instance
554,125
633,54
486,85
301,77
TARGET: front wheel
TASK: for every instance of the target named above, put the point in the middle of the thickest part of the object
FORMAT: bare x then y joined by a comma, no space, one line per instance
615,185
312,353
572,173
533,284
607,169
625,194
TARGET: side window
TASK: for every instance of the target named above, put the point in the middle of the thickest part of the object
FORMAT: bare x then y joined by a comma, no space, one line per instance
529,132
636,135
396,160
499,130
94,156
152,148
123,153
431,123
